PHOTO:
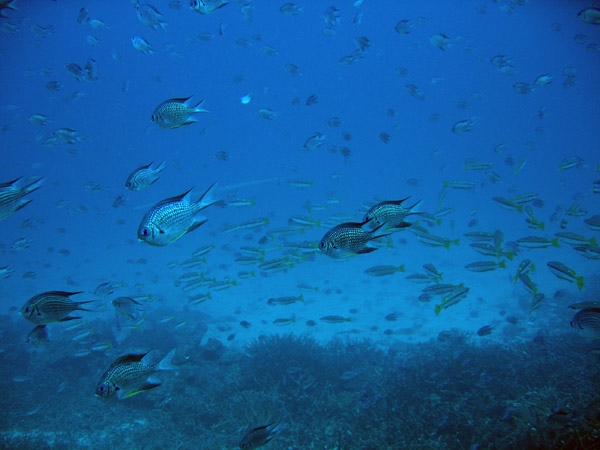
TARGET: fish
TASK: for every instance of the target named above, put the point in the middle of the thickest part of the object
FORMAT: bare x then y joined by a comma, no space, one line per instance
6,4
485,330
285,300
383,270
131,374
207,6
51,306
587,322
176,112
173,217
590,15
452,298
485,266
142,45
524,266
38,336
592,222
440,41
335,319
390,212
348,239
537,242
565,273
150,16
259,436
12,195
107,288
143,177
128,307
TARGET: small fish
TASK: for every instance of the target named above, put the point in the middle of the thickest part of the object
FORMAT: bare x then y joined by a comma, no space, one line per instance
150,16
128,307
524,266
173,217
590,15
587,322
383,270
106,289
440,41
485,330
131,374
176,112
565,273
284,321
38,336
258,437
142,45
390,212
348,239
143,177
12,195
452,298
206,6
485,266
52,306
285,300
537,242
335,319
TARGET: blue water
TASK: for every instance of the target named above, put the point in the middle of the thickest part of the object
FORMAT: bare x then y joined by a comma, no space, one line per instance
77,239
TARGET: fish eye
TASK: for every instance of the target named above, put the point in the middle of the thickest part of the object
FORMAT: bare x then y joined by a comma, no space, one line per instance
153,118
145,232
100,389
27,309
321,244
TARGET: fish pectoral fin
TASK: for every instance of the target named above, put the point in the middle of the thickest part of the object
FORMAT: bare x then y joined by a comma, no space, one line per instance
66,319
402,225
150,383
199,221
366,250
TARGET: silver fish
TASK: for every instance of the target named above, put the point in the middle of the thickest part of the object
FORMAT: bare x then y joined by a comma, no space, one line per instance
38,336
131,374
150,16
587,322
176,112
173,217
206,6
12,193
143,177
347,239
52,306
390,212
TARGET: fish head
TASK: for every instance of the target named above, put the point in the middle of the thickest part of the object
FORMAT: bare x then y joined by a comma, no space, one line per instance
104,390
31,313
131,184
153,235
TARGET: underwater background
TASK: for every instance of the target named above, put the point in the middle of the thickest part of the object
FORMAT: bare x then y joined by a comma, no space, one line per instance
484,114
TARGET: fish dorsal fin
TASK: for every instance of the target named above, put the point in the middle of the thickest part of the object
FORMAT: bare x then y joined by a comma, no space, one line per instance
62,293
398,202
9,183
185,197
180,100
129,358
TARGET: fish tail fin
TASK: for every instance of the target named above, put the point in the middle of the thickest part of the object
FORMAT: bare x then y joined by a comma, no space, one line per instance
208,197
33,186
579,282
197,108
160,167
593,242
438,309
554,242
374,232
166,362
502,264
401,268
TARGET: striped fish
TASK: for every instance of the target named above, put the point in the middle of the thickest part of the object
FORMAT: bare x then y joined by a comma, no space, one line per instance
12,193
348,239
587,323
176,112
131,374
143,177
52,306
391,212
170,219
